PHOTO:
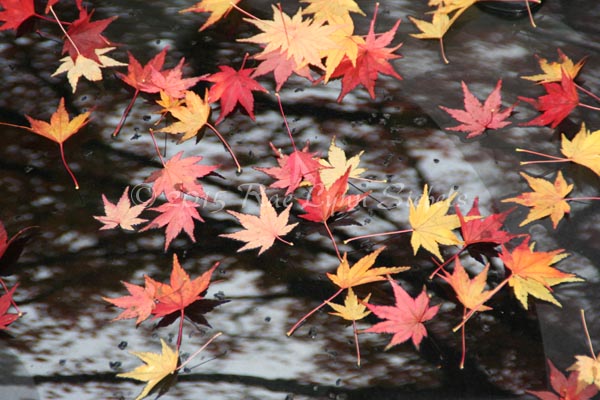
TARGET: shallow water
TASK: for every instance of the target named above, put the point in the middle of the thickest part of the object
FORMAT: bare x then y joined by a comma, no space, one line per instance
66,346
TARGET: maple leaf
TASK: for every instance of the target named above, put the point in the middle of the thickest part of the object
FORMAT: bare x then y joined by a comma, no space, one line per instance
121,214
553,71
217,8
177,214
180,175
361,272
170,81
372,59
532,273
431,226
405,319
232,87
137,75
333,12
168,103
139,304
86,37
6,300
15,13
301,39
588,369
547,199
191,118
583,149
436,29
475,229
59,129
181,291
281,66
324,202
470,292
352,309
347,50
10,250
293,168
89,68
156,367
337,164
477,117
263,230
566,389
556,105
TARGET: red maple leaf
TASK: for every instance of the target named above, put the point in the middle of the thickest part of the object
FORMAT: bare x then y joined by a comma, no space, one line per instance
281,66
476,118
170,81
567,389
181,291
15,13
556,105
86,36
483,230
139,304
10,250
405,319
7,318
138,75
372,59
323,202
180,175
177,214
293,168
232,87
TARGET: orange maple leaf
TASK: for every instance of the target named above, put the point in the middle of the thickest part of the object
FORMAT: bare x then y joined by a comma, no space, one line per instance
547,199
217,8
139,304
532,273
361,272
470,292
58,130
263,230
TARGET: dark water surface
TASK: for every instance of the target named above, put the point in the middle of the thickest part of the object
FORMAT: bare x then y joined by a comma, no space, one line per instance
65,347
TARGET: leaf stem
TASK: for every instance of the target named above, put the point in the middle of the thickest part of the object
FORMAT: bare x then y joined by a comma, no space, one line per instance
584,90
443,51
587,334
356,342
337,252
287,126
589,107
156,147
376,234
126,113
62,155
64,31
180,332
314,310
235,160
190,358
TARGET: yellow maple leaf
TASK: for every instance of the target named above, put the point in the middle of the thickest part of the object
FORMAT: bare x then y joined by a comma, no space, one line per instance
584,149
589,370
348,46
263,230
156,367
337,165
217,8
352,309
192,117
449,6
431,226
168,103
436,29
532,273
547,199
361,272
303,40
552,71
470,292
86,67
334,12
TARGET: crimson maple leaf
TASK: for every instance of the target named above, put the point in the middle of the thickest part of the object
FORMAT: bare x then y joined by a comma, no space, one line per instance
324,202
293,168
170,81
372,59
15,13
177,214
232,87
483,230
138,75
567,389
121,214
404,319
477,117
180,175
86,36
556,105
7,318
